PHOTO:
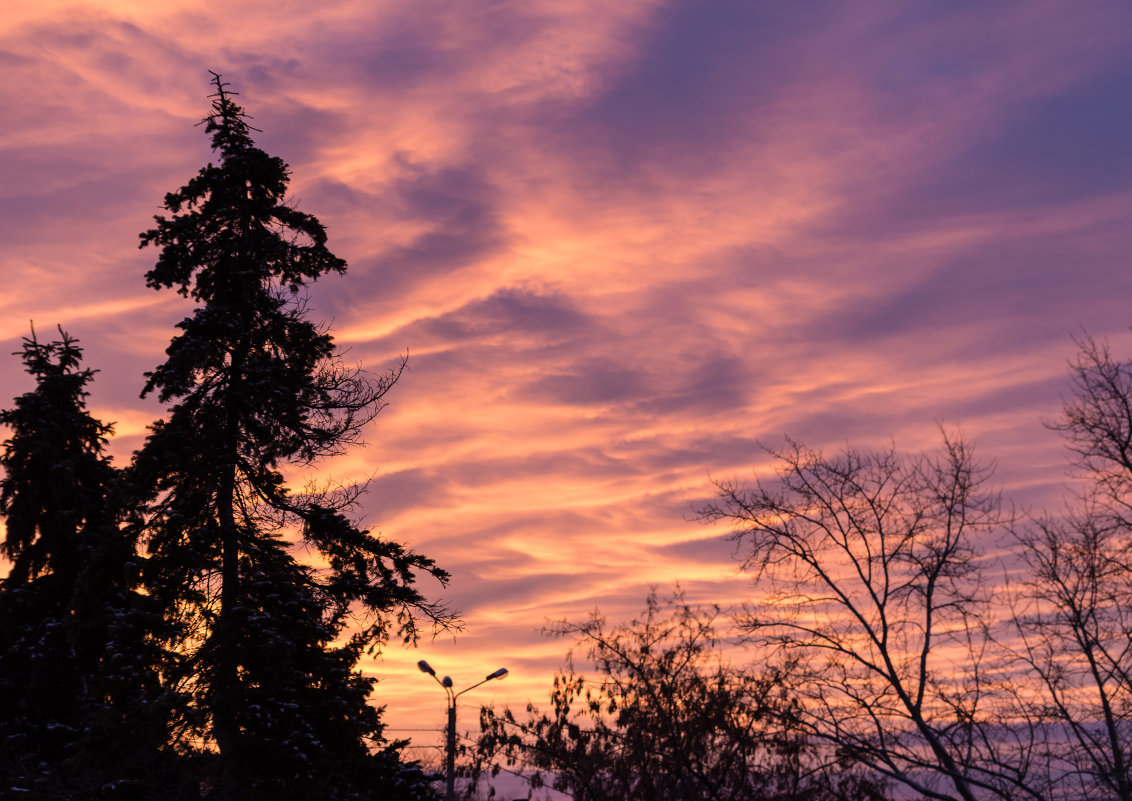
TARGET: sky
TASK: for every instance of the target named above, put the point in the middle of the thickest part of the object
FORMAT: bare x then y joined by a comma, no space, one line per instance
621,243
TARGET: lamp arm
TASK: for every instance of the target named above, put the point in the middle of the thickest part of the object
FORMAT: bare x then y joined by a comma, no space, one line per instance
477,684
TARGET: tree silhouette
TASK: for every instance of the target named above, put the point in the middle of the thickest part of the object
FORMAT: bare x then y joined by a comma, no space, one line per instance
56,474
872,581
1072,620
53,498
259,641
666,719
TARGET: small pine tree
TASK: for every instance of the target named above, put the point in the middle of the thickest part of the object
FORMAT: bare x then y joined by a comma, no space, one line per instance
53,498
56,474
254,636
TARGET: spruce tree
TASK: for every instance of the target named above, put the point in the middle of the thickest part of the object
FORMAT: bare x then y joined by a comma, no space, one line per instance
264,646
56,474
53,499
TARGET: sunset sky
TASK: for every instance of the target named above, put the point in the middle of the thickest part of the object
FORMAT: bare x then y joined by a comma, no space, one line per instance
620,241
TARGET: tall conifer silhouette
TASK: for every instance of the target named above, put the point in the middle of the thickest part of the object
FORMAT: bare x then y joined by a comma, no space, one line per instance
260,642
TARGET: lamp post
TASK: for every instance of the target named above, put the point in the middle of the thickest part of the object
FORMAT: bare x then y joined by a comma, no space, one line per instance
446,683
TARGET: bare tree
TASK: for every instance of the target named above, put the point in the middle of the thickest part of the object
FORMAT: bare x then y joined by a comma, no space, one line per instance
1072,615
1073,634
873,586
1097,425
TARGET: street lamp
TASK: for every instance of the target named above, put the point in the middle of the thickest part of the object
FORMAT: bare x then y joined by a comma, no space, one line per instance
446,683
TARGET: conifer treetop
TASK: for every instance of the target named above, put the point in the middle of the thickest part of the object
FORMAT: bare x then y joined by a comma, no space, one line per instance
230,233
228,121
